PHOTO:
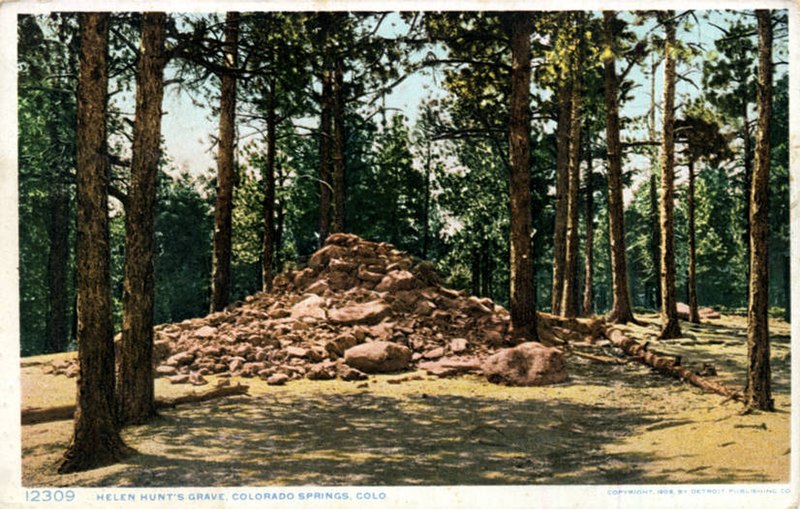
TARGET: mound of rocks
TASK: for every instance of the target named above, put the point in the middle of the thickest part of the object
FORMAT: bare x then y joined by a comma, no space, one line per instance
358,307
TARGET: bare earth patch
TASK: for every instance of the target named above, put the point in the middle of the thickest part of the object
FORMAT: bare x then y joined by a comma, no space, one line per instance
617,424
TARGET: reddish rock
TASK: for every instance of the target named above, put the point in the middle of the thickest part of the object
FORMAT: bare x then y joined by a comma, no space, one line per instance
526,364
368,313
180,359
166,370
349,374
397,281
459,345
205,332
277,379
434,354
312,306
179,379
322,372
378,357
447,367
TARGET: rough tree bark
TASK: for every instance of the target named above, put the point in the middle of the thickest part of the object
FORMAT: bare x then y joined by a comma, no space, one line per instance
747,178
58,255
268,245
95,440
694,314
758,392
339,222
562,182
223,208
523,297
135,388
670,327
325,145
569,297
621,310
655,248
587,308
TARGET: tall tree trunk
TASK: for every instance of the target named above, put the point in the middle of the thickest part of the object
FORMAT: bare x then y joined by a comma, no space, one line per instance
268,246
135,388
486,269
339,162
758,393
426,206
95,440
523,296
562,188
588,254
58,233
747,184
655,248
325,146
655,239
621,311
787,288
223,208
670,328
694,314
569,298
475,271
279,220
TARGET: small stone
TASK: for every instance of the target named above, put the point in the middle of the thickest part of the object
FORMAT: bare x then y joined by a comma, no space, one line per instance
277,379
179,379
205,332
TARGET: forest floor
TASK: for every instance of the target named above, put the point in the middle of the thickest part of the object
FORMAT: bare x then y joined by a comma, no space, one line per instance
608,424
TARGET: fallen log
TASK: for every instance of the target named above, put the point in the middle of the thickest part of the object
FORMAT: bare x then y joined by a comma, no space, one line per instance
66,412
592,327
667,365
598,358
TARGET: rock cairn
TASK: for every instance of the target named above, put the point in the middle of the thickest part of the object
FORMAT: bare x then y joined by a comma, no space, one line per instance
358,307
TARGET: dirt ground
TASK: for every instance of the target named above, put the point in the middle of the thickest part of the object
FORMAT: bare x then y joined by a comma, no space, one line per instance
608,424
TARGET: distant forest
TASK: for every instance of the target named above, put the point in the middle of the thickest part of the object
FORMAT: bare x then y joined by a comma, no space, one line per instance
307,146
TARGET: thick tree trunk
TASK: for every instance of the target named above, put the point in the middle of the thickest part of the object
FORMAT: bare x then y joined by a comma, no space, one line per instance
268,246
135,389
655,240
655,248
787,288
562,187
223,208
621,311
339,163
325,150
569,298
58,256
694,315
95,441
758,392
588,251
670,328
747,178
523,297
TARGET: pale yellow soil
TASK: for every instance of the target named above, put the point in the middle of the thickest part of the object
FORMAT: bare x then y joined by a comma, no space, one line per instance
607,424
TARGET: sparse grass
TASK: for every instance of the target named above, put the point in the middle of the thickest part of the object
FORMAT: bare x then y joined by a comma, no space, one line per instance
606,424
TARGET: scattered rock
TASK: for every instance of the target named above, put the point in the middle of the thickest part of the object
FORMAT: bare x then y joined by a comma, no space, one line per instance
277,379
378,357
368,313
526,364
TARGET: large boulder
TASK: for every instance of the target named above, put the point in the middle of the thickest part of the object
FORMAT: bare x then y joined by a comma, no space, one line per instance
378,357
396,281
312,306
526,364
367,313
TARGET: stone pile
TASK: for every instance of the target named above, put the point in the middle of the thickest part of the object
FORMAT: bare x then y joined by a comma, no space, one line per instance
358,307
